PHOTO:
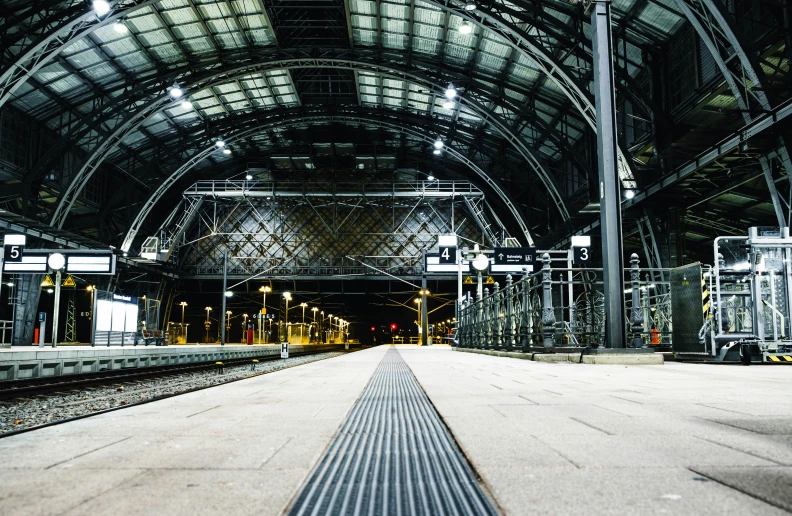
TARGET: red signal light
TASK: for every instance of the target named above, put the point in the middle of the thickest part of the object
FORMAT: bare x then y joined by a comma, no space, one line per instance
373,328
393,327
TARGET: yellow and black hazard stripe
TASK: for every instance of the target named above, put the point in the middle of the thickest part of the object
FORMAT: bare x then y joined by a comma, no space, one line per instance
779,358
705,298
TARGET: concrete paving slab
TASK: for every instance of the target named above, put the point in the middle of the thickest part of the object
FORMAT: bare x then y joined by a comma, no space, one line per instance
615,439
771,485
217,451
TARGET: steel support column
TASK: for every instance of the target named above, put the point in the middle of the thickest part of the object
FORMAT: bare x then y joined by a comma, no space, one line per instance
424,312
609,190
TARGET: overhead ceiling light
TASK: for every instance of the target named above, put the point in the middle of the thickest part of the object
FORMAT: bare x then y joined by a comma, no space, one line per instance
175,91
450,92
629,194
220,142
438,144
248,177
470,5
186,104
229,294
120,28
465,28
101,7
448,104
226,151
436,152
431,177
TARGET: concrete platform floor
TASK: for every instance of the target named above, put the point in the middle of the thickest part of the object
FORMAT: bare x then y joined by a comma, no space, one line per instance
545,438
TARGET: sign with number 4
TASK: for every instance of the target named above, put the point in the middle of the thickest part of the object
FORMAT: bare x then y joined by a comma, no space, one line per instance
448,255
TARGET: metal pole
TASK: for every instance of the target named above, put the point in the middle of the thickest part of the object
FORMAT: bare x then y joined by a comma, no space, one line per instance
223,309
56,309
459,281
609,187
637,314
548,315
424,314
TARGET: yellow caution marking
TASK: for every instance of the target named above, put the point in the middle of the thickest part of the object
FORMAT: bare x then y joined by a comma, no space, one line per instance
69,282
468,281
780,358
47,281
490,280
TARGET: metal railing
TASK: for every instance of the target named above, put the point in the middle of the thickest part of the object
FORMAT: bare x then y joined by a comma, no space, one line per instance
242,188
6,332
559,307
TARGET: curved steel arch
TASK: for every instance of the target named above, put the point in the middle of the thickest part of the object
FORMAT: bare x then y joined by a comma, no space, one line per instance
300,119
121,131
518,39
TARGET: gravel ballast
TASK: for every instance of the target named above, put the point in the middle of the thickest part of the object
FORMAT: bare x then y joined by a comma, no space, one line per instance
25,413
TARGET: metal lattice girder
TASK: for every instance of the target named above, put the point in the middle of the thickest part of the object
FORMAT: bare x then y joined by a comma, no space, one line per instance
123,127
239,129
304,229
740,71
651,251
476,208
177,223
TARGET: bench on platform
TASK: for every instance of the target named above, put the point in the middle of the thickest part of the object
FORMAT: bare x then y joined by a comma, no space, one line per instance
155,336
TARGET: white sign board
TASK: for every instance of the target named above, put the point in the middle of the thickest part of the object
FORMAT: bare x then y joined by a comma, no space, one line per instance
284,350
433,264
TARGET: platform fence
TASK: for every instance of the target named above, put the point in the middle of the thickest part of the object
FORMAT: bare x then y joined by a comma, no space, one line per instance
561,308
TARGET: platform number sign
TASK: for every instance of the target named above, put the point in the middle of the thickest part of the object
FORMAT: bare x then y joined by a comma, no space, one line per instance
581,255
284,350
448,255
14,246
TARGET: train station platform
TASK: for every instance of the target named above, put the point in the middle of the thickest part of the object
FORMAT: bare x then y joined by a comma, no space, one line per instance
25,362
377,432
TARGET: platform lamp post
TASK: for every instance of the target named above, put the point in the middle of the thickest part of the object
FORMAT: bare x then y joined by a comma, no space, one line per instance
91,289
183,304
314,310
287,296
263,291
207,324
56,262
228,323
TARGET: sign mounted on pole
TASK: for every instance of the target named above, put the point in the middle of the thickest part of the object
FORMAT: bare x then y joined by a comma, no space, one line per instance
433,263
581,250
47,281
468,280
77,261
448,255
69,282
13,247
514,259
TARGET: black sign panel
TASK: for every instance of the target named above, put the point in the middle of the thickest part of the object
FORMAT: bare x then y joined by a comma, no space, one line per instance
448,255
514,259
13,253
581,255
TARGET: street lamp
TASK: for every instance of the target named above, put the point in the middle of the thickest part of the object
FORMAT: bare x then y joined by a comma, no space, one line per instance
287,296
263,291
183,304
91,289
228,322
314,310
207,324
480,262
304,306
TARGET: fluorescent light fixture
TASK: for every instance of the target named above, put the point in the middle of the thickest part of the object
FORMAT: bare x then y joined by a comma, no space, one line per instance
448,104
14,240
465,28
101,7
446,240
450,92
581,241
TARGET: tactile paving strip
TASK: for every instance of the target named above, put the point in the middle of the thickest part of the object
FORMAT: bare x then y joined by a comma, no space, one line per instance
393,456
